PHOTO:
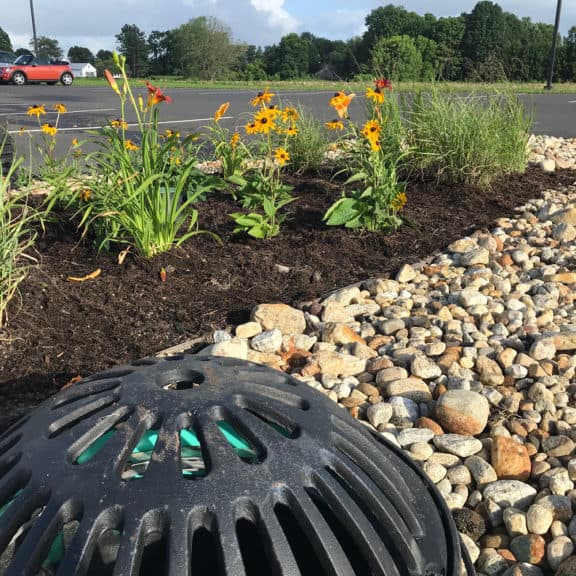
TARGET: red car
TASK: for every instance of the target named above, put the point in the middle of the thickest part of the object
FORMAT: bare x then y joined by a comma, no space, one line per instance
29,68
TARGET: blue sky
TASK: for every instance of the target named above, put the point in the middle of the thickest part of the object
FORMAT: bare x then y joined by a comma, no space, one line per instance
94,24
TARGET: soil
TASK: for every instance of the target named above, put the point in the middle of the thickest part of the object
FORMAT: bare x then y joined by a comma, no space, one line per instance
59,330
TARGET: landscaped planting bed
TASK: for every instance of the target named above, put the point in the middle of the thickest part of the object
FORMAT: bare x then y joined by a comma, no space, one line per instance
449,328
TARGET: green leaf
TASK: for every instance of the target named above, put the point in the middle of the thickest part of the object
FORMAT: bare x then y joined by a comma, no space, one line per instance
269,207
341,212
356,178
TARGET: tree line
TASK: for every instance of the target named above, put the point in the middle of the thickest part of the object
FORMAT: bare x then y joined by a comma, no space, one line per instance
485,45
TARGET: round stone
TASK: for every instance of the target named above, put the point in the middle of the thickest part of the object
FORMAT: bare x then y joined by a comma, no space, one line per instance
462,412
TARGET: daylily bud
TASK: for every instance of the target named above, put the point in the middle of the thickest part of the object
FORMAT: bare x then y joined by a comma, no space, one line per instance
111,81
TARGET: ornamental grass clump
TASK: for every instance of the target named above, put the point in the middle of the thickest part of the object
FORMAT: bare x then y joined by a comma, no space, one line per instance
261,190
467,140
377,196
16,238
145,184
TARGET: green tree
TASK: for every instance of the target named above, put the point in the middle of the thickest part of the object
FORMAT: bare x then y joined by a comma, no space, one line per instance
80,54
431,58
132,44
448,33
569,56
484,39
161,50
22,52
388,21
397,58
5,43
48,47
293,55
203,49
104,55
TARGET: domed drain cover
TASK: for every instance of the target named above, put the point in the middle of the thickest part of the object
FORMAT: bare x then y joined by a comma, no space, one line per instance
211,466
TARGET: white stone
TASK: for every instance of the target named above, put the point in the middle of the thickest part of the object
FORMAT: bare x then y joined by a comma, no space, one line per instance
268,341
539,519
511,493
457,444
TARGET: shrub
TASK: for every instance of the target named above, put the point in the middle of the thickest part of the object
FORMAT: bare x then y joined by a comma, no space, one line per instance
468,140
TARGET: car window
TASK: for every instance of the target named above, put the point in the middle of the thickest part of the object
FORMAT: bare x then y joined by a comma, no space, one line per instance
6,56
24,59
41,60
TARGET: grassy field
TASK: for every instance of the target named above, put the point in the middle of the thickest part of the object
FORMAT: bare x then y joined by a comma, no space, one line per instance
314,85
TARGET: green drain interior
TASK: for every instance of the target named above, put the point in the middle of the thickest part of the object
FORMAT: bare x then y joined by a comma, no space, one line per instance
191,451
191,458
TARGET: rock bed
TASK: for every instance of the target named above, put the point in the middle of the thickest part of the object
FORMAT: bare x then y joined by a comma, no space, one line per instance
466,361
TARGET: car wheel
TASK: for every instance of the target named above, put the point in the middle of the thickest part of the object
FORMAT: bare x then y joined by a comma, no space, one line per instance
19,78
66,78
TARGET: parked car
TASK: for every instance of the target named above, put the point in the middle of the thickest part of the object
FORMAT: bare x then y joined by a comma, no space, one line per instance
29,68
6,58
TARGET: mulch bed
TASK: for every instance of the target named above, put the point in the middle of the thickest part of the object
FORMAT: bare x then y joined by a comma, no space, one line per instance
59,330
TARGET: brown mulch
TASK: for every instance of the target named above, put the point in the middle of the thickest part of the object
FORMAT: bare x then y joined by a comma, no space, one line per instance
59,330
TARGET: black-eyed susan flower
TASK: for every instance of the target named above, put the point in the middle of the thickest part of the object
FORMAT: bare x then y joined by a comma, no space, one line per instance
221,111
335,125
172,133
85,194
264,120
274,111
60,108
119,123
22,131
262,98
400,201
291,131
376,96
251,128
371,130
281,156
234,140
375,145
36,110
129,145
74,142
340,103
290,115
49,129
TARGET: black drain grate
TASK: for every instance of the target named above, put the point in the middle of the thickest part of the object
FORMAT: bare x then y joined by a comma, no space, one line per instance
211,466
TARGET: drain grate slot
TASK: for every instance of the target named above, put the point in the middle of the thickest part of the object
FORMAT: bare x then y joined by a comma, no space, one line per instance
207,556
302,549
357,559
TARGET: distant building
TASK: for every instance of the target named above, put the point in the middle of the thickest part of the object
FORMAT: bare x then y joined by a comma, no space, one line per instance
83,70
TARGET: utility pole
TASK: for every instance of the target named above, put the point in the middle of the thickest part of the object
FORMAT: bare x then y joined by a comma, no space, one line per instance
34,28
553,48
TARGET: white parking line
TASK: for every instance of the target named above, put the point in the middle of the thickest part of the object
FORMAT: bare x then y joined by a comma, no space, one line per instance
54,112
571,101
83,128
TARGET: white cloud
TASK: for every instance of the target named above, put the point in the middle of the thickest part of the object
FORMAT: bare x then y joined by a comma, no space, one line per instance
278,17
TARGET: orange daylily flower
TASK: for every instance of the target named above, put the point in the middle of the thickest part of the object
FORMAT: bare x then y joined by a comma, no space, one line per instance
234,140
221,111
155,95
340,103
112,81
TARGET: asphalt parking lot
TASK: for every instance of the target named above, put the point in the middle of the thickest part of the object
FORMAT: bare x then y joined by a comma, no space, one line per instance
191,109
